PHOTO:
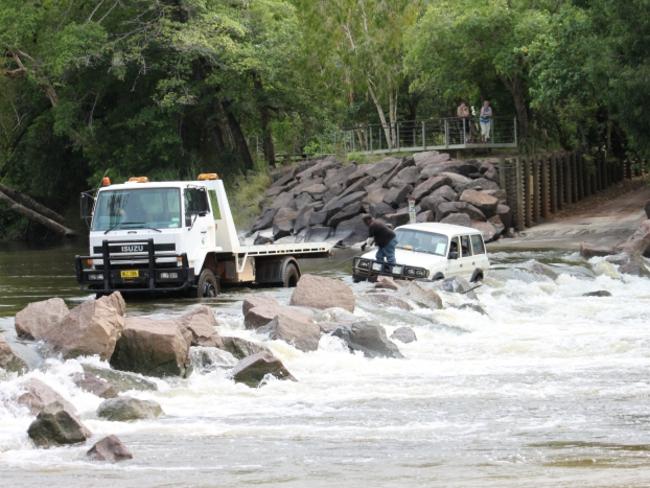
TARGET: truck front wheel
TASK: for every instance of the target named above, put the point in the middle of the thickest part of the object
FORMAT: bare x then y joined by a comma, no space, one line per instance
208,285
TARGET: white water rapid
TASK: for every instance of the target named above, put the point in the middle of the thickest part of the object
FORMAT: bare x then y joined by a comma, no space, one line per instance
548,389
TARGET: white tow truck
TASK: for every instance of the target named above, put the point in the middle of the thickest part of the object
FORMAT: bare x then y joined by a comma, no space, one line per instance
176,236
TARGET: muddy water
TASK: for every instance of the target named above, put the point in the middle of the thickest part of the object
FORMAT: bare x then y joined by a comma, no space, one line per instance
550,388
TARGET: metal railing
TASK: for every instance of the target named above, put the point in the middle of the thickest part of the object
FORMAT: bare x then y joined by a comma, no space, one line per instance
430,134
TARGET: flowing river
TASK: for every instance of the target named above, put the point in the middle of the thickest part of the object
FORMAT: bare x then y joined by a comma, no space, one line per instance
548,389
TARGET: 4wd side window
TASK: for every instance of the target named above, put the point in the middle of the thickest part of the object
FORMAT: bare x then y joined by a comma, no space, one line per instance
477,244
464,245
454,250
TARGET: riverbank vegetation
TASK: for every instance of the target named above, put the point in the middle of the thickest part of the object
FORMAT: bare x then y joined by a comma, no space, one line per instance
169,88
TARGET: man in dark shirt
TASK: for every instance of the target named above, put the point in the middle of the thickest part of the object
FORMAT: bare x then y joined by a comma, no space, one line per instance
384,238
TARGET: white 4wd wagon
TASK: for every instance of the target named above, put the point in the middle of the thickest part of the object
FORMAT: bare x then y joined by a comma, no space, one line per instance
429,251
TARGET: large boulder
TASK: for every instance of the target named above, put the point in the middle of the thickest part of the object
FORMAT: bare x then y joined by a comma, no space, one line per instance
294,329
420,293
206,359
446,208
37,395
321,292
109,449
429,185
37,317
90,328
317,233
638,243
484,202
406,176
446,192
505,214
283,222
8,359
122,409
368,338
351,231
55,426
256,300
339,203
95,385
152,347
427,158
382,300
479,184
399,217
457,219
252,370
488,230
345,214
262,314
202,325
241,348
265,220
303,217
396,195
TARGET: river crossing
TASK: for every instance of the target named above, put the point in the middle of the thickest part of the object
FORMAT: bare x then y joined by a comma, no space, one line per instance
549,389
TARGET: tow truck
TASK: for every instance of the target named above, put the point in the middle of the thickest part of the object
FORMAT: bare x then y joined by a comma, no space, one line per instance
176,236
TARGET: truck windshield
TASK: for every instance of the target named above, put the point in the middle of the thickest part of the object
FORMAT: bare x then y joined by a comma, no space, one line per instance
418,241
157,208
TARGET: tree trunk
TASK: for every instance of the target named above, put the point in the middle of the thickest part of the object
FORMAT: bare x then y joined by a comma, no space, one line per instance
265,122
35,216
382,117
239,139
29,202
517,91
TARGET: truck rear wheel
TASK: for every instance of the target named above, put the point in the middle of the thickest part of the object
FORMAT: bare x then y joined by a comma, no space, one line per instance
208,284
290,276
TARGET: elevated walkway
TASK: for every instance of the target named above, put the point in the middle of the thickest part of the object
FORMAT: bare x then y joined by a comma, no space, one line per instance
451,133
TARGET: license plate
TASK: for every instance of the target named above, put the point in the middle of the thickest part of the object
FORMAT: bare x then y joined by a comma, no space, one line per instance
129,273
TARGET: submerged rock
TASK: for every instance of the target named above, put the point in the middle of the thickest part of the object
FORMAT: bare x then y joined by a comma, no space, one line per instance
320,292
405,335
210,358
597,293
241,348
126,408
109,449
252,370
57,426
95,385
38,395
8,359
420,293
368,338
122,380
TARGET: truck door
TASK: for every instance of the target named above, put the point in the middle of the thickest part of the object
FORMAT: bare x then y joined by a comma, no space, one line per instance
200,224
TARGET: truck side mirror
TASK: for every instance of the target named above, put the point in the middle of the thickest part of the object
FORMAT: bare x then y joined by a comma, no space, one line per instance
86,205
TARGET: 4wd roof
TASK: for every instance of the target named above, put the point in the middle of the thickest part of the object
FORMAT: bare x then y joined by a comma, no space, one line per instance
447,229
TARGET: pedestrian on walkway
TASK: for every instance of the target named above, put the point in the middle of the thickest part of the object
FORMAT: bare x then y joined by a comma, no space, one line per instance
486,121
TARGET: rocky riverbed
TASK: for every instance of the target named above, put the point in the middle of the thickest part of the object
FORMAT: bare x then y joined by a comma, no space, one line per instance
539,370
324,199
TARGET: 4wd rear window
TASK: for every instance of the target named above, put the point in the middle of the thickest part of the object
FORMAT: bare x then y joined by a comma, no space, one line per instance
477,244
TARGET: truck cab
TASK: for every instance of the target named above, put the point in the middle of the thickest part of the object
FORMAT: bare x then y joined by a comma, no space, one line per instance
176,236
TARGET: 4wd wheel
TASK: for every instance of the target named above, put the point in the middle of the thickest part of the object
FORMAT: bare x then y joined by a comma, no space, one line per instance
208,285
290,276
477,276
